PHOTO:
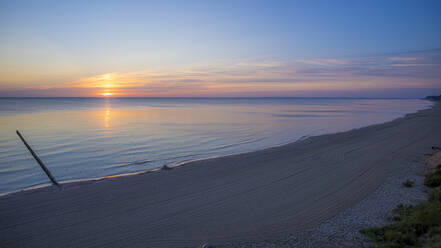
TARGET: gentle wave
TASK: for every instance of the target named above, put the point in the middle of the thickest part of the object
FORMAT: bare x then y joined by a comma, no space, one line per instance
84,138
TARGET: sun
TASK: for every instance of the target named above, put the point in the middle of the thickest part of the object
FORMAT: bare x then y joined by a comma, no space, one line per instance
107,94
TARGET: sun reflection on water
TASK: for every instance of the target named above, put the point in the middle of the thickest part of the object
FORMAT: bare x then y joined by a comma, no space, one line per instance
107,114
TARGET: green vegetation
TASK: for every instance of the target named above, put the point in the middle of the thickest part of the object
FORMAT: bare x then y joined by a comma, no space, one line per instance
434,98
433,179
408,183
413,226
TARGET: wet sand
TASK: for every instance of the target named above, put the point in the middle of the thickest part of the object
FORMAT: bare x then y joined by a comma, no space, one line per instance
251,197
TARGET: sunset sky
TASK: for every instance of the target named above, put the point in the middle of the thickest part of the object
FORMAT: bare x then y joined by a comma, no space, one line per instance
220,48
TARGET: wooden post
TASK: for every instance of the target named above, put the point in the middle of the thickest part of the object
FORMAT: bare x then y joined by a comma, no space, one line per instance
45,169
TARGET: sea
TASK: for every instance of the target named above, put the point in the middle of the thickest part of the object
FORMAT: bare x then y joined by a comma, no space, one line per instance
89,138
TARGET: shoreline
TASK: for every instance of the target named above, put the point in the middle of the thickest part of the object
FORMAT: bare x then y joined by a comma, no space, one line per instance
263,195
184,163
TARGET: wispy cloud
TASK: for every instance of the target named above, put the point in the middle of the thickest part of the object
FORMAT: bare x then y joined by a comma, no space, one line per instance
265,77
404,59
326,62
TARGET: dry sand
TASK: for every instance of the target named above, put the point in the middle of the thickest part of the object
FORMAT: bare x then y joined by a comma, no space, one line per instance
252,197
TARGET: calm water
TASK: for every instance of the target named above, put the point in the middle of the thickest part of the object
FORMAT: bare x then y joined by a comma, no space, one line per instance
81,138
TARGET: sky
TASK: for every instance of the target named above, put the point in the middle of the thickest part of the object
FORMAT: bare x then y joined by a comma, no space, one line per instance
220,48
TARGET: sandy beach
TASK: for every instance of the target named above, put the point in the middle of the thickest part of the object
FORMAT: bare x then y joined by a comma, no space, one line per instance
251,197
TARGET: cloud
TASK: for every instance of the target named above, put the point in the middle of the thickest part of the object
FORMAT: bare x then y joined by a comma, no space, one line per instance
259,77
422,65
404,59
326,62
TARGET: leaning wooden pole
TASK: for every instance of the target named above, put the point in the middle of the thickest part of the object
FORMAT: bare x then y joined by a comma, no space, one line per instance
45,169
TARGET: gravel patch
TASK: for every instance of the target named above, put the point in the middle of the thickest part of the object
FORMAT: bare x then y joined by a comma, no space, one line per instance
342,230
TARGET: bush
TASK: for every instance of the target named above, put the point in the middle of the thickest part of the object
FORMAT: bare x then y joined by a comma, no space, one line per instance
433,179
374,233
435,196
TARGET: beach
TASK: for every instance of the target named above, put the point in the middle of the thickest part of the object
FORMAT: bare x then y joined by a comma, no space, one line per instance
249,197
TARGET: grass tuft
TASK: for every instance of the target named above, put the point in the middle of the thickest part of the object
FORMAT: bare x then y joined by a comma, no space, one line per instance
408,184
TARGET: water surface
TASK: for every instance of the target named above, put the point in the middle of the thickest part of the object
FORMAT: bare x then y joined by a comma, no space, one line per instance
80,138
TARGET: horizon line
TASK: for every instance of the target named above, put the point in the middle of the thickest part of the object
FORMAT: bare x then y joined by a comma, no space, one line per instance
213,97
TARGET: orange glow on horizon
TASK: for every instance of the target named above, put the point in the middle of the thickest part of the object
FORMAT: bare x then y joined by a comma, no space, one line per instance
232,79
